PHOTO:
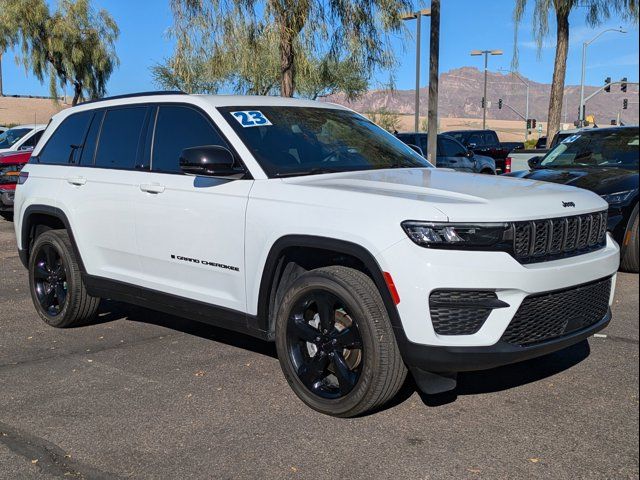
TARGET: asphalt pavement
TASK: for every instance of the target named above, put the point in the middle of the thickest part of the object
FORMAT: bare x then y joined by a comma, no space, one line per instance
140,394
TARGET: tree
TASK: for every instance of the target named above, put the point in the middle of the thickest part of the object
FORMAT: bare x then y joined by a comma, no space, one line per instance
386,119
74,45
255,38
597,11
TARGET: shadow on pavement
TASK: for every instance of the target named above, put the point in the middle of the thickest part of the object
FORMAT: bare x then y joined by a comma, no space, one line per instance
469,383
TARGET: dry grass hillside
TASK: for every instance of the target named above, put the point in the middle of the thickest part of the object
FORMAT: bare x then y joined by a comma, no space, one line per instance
17,111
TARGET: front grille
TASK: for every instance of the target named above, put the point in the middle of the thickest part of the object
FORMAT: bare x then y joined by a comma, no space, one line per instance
550,315
461,312
542,240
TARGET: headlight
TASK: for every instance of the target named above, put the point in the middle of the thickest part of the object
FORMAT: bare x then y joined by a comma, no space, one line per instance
620,197
483,236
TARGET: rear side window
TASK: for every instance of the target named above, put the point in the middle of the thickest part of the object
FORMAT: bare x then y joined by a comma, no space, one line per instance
177,128
120,137
33,141
452,149
66,142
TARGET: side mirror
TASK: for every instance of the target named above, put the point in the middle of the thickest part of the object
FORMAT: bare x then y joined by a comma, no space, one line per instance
469,154
416,149
209,160
533,162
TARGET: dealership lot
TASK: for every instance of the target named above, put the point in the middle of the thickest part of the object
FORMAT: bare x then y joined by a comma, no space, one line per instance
146,395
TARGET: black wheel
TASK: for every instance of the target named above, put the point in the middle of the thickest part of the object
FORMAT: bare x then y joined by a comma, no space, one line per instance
335,342
488,172
8,216
630,248
56,286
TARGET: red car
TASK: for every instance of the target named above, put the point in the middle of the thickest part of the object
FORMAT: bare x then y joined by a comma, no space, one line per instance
10,166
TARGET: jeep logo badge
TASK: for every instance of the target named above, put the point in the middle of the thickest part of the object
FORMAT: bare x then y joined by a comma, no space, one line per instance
568,204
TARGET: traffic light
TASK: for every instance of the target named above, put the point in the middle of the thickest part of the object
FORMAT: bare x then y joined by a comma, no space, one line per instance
625,103
607,83
499,104
528,124
483,102
623,85
533,123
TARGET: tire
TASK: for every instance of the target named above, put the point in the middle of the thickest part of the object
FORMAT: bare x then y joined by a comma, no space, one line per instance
629,261
488,172
8,216
366,343
55,283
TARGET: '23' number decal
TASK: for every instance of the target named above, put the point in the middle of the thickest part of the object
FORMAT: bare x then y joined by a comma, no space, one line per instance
251,118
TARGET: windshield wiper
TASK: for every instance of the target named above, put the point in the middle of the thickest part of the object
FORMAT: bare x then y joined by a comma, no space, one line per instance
313,171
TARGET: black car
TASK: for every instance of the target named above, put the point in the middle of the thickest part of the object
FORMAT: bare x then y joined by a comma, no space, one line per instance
605,161
487,143
451,153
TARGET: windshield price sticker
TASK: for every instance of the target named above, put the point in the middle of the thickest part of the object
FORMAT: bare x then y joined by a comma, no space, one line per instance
251,118
571,139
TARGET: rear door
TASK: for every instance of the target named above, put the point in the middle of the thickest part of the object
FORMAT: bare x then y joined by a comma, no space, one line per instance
100,187
190,229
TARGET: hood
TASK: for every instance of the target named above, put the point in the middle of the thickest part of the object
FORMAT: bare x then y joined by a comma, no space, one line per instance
462,197
599,180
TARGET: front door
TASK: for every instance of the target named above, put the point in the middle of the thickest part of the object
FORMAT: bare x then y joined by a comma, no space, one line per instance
190,229
454,155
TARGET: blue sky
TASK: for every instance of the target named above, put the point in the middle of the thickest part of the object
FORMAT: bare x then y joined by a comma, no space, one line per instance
465,25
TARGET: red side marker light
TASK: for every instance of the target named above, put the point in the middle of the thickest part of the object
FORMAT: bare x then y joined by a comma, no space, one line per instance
392,287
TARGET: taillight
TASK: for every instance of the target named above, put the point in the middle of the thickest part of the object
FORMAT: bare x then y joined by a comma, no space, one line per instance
507,165
22,178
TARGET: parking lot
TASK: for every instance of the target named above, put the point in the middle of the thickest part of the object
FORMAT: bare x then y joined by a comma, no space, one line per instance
141,394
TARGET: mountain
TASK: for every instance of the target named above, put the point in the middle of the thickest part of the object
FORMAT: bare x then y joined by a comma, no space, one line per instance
461,97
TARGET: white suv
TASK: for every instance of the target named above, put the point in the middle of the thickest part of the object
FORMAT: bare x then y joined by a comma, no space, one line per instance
305,224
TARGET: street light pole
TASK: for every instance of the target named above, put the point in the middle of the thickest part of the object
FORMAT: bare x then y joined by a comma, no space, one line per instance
581,113
486,54
418,16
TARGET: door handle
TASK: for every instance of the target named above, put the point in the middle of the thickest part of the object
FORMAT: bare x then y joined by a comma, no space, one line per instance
78,181
152,188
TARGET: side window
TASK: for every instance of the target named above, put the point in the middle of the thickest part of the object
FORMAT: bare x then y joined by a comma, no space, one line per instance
422,139
65,143
476,139
179,127
452,149
122,129
33,141
490,138
89,147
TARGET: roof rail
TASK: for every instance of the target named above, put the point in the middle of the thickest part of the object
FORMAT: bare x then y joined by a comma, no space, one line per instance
133,95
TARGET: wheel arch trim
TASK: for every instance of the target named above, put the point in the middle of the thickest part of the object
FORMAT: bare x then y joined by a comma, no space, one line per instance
27,225
344,247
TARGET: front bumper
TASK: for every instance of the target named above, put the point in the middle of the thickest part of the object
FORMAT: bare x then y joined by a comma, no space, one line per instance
462,359
418,271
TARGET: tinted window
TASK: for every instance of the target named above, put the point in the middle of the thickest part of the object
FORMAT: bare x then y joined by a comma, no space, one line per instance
476,138
65,143
177,128
33,141
451,148
89,147
120,137
422,143
490,138
11,136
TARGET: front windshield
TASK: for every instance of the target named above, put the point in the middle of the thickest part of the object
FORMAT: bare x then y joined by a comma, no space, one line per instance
291,141
606,148
11,136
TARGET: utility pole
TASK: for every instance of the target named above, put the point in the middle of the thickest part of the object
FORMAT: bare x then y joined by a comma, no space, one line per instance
486,54
418,16
581,111
1,91
434,61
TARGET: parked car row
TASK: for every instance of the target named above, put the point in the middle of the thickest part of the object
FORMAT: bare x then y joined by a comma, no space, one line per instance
20,138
